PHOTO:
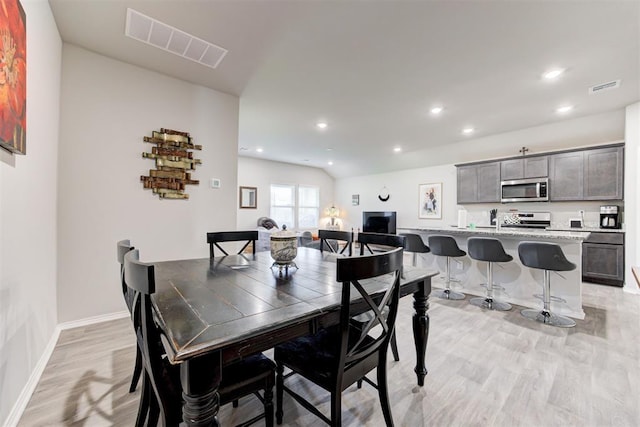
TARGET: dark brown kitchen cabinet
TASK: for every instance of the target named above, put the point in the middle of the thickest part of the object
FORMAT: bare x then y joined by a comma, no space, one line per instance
603,174
528,167
479,183
603,258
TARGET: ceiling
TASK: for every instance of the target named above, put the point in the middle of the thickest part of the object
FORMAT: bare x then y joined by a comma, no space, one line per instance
372,70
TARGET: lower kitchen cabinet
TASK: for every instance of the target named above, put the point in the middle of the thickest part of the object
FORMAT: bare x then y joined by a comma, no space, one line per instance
603,259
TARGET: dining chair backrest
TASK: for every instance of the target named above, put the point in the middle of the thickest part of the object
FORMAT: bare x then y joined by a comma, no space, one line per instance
379,239
250,236
124,246
362,346
140,278
332,238
337,356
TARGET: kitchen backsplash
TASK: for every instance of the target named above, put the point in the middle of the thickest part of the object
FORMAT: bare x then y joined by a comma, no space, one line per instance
561,212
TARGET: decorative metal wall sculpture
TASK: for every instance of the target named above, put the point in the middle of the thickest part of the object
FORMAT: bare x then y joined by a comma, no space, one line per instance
173,160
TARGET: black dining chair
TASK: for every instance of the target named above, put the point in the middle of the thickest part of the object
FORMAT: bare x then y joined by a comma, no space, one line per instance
339,356
382,242
124,246
161,399
379,239
331,239
214,238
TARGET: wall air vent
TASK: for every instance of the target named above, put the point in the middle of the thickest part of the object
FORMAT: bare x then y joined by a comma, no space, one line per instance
604,86
155,33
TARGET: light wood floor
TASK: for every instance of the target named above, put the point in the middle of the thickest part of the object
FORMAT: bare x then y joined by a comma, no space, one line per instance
485,369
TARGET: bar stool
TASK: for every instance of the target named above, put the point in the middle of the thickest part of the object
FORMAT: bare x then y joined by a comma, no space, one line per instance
548,257
413,243
446,246
489,250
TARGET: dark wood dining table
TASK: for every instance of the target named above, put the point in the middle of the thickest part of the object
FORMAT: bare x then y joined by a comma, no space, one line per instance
214,311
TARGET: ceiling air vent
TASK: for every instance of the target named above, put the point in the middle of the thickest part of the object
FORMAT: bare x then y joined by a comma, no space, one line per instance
604,86
155,33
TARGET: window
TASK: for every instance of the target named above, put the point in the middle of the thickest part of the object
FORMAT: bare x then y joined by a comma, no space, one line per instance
297,207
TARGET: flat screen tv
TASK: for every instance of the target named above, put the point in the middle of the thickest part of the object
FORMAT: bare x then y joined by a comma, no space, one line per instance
379,222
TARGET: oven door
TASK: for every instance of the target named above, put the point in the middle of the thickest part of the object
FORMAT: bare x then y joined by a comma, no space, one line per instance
525,190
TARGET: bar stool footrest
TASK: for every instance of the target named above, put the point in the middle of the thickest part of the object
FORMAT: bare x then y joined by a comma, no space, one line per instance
551,298
495,287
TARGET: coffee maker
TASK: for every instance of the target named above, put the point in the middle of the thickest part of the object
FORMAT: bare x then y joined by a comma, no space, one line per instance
610,217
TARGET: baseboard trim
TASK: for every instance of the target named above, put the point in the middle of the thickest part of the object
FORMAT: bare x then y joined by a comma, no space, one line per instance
91,320
28,389
32,382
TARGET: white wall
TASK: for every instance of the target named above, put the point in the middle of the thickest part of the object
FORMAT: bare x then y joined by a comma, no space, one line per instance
107,108
403,196
262,173
403,185
28,215
632,200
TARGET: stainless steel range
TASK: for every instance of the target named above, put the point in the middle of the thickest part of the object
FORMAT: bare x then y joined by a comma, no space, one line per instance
529,220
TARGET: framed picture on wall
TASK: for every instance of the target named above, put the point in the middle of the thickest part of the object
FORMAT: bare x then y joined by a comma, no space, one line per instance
430,200
13,77
355,199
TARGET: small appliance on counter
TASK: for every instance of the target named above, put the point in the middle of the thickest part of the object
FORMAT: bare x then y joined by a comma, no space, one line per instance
610,217
530,220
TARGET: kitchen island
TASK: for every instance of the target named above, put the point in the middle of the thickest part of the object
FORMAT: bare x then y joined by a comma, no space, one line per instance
519,283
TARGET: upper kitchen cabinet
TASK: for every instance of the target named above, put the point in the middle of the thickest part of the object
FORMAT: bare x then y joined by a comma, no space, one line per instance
528,167
604,174
479,183
595,174
566,177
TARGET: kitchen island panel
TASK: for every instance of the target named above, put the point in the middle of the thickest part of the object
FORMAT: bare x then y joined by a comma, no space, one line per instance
519,283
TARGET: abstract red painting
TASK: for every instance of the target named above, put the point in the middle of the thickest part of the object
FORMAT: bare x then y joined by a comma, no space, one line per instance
13,77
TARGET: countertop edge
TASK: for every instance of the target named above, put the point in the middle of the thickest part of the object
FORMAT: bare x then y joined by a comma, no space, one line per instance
535,234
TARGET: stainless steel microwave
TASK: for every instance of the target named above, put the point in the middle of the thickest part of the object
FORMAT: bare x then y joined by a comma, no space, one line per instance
525,190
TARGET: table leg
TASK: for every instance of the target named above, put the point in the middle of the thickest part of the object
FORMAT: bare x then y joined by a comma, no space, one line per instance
200,378
421,329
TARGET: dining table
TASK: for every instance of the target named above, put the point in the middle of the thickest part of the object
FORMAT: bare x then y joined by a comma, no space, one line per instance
214,311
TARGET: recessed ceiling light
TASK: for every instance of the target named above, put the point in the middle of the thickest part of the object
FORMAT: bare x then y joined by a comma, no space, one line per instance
436,110
397,149
553,74
321,125
564,109
468,130
259,150
329,149
330,163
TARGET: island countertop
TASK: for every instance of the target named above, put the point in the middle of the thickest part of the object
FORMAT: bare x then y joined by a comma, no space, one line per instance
518,233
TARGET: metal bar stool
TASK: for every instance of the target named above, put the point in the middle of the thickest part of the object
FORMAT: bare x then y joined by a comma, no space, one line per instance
446,246
415,245
489,250
548,257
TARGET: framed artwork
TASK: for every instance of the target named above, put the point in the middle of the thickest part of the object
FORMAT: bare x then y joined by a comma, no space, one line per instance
430,199
248,198
13,77
355,199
